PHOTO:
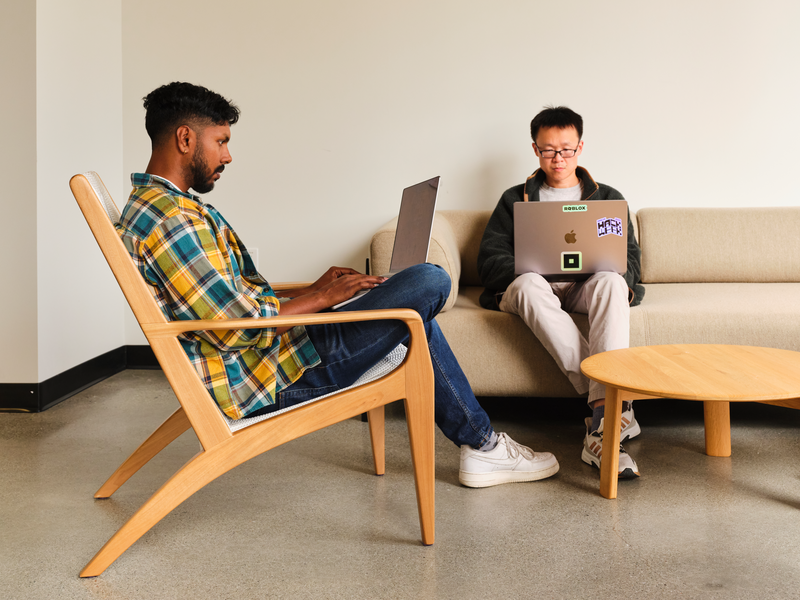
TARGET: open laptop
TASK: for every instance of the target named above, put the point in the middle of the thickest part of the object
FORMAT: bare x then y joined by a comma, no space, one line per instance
412,238
570,241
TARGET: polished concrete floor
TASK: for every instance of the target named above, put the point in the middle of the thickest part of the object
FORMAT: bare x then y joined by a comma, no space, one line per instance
309,520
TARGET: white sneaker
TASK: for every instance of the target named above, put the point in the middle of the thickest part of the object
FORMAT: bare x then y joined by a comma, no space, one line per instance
505,463
593,451
630,426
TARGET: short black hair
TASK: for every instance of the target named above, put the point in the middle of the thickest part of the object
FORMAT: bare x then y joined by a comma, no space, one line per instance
178,103
559,117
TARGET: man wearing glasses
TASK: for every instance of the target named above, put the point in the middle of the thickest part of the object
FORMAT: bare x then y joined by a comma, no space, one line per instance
544,306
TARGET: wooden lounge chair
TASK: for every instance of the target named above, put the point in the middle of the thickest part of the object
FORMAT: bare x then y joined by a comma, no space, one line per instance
227,443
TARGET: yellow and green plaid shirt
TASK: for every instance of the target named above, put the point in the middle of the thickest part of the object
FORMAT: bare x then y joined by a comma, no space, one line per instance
198,268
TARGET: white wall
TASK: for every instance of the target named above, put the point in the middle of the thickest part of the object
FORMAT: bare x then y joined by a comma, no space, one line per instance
18,343
344,103
63,104
79,119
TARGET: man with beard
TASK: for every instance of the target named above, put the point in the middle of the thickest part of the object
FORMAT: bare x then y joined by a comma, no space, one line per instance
198,268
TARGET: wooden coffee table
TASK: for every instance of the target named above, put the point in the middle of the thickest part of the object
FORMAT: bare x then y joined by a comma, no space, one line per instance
713,374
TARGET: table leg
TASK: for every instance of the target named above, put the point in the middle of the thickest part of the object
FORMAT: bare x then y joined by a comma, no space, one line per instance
609,460
717,417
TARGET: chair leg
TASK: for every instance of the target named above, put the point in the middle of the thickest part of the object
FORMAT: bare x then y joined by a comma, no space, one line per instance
204,468
166,433
377,434
419,416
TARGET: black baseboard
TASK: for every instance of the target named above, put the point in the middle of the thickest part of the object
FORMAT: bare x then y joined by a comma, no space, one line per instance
36,397
140,357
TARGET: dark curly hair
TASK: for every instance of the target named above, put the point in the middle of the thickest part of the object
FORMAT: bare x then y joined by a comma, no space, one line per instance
559,117
178,103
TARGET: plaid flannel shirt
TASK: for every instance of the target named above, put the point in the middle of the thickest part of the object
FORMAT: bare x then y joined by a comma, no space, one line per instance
198,268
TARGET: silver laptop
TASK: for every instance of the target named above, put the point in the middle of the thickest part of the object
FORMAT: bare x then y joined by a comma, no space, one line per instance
412,238
569,241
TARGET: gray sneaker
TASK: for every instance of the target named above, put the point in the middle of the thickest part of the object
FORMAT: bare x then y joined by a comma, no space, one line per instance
593,450
505,463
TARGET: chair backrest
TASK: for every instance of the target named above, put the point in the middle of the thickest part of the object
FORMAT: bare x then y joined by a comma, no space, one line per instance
101,214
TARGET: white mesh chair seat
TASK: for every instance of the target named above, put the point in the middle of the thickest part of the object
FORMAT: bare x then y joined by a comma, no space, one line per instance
386,365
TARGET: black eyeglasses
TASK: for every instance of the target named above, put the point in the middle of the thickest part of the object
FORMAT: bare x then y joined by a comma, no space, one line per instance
565,153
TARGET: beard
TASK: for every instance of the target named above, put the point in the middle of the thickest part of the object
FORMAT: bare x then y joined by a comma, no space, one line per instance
199,173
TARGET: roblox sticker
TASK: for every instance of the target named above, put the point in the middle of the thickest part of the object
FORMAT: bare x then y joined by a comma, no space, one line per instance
609,226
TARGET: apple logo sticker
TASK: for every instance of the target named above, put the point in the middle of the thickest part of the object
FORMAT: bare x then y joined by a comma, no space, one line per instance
571,238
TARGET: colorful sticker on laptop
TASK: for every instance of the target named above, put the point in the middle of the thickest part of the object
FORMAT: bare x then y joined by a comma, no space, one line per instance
609,226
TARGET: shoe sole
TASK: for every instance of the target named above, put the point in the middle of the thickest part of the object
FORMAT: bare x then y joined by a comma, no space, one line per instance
628,474
591,459
482,480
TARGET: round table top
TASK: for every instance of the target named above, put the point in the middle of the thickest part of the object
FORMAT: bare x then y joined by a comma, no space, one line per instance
700,372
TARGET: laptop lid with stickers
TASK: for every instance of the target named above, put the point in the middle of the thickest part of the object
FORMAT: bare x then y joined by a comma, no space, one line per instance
569,241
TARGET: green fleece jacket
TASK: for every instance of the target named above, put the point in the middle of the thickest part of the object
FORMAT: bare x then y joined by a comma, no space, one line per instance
496,254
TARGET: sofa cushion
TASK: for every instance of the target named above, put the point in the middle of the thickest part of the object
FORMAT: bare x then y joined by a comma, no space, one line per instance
751,314
501,357
443,252
499,354
693,245
468,227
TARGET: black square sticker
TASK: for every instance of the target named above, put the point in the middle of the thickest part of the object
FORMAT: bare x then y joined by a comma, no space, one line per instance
571,261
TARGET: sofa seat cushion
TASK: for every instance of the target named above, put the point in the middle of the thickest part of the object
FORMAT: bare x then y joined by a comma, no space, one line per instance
502,357
499,354
751,314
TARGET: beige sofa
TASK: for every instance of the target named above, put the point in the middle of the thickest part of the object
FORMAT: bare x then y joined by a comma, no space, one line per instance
725,276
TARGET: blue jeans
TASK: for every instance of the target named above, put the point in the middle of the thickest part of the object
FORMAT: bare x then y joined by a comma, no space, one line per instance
348,350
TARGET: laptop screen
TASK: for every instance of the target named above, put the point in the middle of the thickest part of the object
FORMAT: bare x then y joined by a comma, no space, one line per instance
414,225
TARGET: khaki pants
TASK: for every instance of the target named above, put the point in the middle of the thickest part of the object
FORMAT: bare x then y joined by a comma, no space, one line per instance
544,307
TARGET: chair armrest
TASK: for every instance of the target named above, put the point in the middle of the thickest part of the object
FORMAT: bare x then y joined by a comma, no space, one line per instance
290,285
171,329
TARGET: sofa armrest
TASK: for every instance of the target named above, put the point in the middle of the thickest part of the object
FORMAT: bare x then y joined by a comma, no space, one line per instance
443,252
